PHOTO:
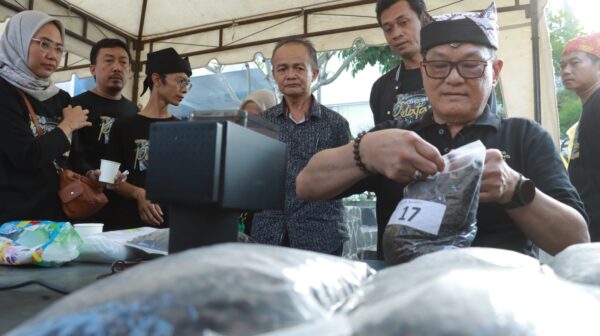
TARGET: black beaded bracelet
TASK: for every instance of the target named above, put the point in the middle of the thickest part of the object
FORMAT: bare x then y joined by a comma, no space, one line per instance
356,151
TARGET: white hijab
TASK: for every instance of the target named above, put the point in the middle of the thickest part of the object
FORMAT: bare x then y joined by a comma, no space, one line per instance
14,53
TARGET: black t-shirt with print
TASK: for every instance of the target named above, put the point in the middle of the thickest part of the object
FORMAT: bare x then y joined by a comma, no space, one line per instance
584,167
103,112
398,94
129,145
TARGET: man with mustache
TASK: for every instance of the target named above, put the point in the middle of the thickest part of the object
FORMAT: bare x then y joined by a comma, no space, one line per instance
580,73
110,65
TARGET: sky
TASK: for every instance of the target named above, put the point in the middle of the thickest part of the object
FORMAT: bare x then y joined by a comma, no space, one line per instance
587,11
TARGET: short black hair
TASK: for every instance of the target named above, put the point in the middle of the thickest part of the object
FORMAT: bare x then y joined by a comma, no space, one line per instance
148,79
418,6
312,52
107,43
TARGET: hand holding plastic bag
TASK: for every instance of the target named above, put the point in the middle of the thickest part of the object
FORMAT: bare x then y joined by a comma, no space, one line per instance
41,243
438,213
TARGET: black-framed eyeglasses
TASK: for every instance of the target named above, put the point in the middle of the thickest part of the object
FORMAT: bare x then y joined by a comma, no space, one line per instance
184,83
47,45
467,69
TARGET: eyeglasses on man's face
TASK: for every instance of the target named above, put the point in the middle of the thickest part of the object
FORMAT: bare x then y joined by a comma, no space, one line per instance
467,69
184,83
48,45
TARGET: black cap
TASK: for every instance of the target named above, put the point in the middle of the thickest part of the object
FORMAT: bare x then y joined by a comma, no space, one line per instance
165,61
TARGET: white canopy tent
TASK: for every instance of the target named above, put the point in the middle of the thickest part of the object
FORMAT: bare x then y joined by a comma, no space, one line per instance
233,31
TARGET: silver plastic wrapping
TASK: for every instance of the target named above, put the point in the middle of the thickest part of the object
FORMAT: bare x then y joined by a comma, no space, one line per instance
473,291
230,289
579,263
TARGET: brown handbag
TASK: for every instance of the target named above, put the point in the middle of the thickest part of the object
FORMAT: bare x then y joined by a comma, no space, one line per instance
81,196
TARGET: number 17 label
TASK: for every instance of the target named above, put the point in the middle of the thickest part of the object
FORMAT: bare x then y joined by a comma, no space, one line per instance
418,214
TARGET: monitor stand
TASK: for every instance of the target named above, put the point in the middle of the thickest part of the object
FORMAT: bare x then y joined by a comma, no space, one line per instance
201,225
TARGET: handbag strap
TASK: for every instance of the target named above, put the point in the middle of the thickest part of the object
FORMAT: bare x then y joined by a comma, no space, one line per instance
38,128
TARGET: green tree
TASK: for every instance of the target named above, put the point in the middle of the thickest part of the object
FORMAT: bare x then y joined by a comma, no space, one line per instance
381,56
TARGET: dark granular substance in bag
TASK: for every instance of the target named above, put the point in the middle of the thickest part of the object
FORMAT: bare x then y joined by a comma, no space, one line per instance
459,191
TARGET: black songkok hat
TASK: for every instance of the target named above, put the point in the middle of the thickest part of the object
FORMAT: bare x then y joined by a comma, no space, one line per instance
478,28
163,62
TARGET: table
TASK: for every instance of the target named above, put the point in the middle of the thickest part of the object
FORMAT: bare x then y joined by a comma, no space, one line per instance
20,304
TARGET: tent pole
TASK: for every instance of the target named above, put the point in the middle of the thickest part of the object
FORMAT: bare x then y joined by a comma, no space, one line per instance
535,44
139,44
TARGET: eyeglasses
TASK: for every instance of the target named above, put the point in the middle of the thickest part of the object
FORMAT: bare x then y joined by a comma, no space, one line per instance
47,45
184,83
468,69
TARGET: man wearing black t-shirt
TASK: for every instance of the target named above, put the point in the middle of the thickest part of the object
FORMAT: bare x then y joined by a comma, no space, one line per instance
580,73
167,77
399,93
110,66
110,62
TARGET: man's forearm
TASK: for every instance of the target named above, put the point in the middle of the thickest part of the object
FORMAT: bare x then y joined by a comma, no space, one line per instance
128,190
550,224
328,174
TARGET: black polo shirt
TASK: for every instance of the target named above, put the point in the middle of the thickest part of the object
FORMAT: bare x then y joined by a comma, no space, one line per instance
526,147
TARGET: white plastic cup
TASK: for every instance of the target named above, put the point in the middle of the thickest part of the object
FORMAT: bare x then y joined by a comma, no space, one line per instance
86,229
108,171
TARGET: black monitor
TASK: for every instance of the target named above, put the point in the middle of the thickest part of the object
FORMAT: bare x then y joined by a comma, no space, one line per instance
209,172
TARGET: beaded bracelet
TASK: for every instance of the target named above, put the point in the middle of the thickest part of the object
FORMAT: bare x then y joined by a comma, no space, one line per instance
356,151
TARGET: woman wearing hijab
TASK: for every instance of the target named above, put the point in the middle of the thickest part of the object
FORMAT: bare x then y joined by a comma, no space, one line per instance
258,101
30,51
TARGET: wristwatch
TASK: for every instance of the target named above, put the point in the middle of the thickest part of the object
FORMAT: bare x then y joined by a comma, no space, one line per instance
523,195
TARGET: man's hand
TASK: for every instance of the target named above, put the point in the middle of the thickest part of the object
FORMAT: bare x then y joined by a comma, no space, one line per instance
150,213
119,179
397,153
499,180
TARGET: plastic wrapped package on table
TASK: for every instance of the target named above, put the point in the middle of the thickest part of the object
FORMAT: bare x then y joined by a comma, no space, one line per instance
579,263
362,242
137,243
472,291
402,278
230,289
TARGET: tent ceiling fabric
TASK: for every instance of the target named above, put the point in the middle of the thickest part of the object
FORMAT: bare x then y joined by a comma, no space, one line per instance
233,31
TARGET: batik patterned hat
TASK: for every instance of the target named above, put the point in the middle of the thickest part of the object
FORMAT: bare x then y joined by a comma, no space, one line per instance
588,43
478,28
